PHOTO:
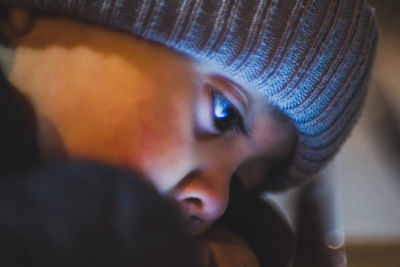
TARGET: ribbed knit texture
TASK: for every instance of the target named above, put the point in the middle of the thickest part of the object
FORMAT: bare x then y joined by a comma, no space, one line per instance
311,58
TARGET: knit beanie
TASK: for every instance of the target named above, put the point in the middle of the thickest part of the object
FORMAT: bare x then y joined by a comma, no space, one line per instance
310,58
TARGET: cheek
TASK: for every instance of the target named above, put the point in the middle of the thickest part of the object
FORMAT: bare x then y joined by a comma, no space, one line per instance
163,138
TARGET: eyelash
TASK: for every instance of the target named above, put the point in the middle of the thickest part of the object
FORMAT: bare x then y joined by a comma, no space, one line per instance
222,108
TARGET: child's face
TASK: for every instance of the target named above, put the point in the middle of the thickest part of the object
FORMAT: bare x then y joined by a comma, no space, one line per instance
104,95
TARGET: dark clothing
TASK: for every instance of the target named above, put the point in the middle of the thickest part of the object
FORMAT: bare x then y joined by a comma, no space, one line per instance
87,214
260,225
18,146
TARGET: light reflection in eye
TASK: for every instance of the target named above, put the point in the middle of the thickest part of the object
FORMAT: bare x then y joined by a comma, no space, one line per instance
220,112
221,107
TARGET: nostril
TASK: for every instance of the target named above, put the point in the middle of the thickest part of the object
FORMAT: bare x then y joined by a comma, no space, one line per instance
201,195
194,209
194,201
207,207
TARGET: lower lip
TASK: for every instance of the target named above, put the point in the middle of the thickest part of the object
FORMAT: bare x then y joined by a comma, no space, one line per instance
197,226
194,222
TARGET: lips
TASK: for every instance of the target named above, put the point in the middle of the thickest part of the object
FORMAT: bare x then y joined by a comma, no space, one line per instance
194,222
197,225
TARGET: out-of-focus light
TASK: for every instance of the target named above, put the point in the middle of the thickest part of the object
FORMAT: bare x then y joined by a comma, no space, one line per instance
335,239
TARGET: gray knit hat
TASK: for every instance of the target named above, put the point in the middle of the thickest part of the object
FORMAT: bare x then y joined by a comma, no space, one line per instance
310,58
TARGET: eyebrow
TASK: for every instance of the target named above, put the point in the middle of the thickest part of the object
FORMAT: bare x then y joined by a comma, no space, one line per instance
277,115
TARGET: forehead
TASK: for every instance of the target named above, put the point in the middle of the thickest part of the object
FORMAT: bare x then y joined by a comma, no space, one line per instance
90,50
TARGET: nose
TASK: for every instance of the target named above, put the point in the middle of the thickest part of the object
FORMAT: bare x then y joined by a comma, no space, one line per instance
203,197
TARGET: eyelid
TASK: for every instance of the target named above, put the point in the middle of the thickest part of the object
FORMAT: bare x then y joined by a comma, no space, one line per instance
233,92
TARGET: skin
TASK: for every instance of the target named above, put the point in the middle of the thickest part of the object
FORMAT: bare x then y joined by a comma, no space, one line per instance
104,95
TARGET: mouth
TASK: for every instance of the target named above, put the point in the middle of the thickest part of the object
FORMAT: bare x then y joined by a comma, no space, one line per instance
196,225
194,222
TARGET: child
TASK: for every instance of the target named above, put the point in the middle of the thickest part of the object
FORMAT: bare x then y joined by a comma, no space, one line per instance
191,93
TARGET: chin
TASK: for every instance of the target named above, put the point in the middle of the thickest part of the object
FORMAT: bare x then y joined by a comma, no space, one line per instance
197,230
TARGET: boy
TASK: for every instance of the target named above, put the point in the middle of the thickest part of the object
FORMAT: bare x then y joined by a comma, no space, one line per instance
265,91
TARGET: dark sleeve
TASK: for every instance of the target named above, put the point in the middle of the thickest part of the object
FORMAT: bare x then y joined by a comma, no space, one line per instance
260,225
18,144
86,214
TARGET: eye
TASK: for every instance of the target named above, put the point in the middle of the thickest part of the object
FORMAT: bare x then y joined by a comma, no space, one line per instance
226,117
